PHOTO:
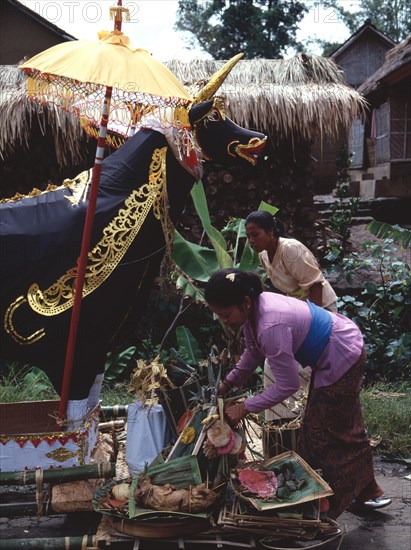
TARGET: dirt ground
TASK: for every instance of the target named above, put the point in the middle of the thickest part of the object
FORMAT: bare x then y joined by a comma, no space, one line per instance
388,529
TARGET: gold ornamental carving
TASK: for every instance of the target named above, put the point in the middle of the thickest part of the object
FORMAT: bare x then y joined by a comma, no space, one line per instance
62,455
107,253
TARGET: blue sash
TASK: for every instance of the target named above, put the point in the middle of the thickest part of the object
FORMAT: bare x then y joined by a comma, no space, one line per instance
317,338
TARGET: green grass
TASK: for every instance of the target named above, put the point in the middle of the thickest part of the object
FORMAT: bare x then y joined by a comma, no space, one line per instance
116,394
24,383
386,407
387,415
31,384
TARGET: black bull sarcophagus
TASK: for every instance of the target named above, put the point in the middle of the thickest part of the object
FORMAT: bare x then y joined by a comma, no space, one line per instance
143,190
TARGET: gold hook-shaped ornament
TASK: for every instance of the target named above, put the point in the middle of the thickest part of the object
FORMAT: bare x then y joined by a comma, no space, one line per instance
11,330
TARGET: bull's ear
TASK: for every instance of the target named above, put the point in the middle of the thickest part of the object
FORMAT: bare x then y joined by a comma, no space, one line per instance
199,111
217,79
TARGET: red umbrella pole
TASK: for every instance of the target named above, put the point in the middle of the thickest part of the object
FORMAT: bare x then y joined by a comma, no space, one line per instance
82,264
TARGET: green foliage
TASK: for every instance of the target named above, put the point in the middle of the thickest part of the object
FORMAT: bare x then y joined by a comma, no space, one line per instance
116,393
268,208
327,47
199,262
118,362
392,17
342,209
195,263
382,310
215,237
398,234
224,28
243,256
189,289
188,345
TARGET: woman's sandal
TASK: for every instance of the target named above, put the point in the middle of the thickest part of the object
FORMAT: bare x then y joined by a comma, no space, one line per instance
372,504
329,531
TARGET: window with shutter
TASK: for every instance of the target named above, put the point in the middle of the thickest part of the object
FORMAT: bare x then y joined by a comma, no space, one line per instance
356,143
382,132
400,128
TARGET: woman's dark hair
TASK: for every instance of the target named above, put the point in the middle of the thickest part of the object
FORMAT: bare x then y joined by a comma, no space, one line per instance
266,221
229,287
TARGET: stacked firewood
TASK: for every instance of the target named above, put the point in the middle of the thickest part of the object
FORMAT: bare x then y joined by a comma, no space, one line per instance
284,178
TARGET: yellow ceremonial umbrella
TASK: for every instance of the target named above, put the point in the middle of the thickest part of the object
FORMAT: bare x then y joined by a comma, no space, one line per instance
77,75
68,75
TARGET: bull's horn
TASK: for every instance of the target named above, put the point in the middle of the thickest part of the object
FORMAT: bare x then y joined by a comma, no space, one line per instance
217,79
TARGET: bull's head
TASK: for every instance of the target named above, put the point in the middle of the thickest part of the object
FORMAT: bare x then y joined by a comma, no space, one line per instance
216,134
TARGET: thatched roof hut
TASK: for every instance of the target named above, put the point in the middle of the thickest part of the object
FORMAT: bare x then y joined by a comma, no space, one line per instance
305,95
39,144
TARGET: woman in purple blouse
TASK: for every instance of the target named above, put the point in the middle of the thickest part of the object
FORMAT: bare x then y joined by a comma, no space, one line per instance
287,331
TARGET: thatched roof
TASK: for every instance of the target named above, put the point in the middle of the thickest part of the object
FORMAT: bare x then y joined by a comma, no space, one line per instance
17,114
396,67
304,95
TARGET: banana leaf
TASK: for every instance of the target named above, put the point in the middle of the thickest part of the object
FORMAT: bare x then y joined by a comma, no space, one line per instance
249,259
268,208
216,238
314,488
180,472
189,344
400,235
117,362
197,261
188,289
236,226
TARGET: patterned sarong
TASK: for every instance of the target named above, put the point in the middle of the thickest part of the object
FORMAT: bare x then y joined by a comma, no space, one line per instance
333,439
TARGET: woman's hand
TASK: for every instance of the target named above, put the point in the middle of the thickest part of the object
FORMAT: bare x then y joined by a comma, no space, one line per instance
235,412
316,294
223,388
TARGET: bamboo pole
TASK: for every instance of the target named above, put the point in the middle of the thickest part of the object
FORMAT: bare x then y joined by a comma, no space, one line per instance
13,509
60,543
86,239
59,475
